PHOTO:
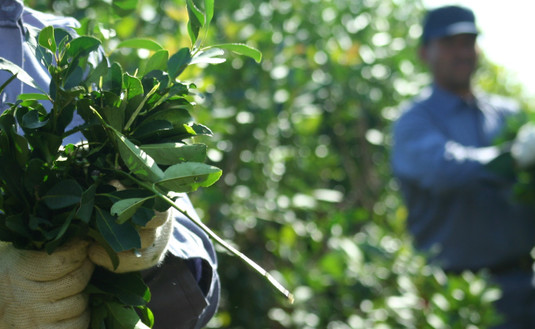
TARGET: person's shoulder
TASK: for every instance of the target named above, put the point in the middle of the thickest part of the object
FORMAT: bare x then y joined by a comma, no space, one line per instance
415,105
40,20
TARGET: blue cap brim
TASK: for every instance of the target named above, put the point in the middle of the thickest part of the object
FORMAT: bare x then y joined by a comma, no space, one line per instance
454,29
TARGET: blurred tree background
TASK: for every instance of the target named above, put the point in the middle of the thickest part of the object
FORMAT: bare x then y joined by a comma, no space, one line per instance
303,139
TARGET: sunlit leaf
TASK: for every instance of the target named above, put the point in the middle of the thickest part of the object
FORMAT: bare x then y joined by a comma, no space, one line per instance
116,78
209,56
41,97
132,85
124,7
196,21
171,153
241,49
13,68
82,46
200,129
152,129
126,208
122,317
188,177
158,61
47,39
140,43
209,8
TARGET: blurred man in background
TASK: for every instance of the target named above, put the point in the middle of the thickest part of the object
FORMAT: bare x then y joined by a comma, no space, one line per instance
459,211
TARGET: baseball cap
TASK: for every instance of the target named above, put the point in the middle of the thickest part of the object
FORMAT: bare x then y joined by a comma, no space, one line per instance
447,21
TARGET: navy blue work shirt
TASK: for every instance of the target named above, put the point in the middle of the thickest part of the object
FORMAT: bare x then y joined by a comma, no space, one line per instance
185,288
459,210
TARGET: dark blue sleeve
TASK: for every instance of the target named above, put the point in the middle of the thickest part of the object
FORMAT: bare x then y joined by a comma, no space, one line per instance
423,155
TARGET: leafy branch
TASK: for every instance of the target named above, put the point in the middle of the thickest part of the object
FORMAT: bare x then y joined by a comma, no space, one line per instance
136,128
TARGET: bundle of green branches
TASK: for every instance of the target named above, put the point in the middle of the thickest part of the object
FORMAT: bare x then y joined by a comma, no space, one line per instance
137,129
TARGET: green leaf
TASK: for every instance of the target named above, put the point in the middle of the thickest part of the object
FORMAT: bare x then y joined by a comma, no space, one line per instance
11,173
132,85
64,194
47,39
196,21
179,89
209,8
241,49
124,7
8,81
189,176
152,129
177,115
120,237
22,152
126,208
100,71
158,61
139,107
86,205
146,316
143,215
41,97
155,79
44,144
171,153
99,312
178,62
140,43
74,79
56,242
36,173
139,162
116,78
82,46
122,317
209,56
35,222
16,224
128,288
200,129
62,37
113,112
32,120
6,65
99,238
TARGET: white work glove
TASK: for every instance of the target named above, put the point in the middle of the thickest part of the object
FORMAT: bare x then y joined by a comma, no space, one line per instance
523,149
154,240
43,291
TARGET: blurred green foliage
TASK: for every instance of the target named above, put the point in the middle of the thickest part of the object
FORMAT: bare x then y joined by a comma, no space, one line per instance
303,139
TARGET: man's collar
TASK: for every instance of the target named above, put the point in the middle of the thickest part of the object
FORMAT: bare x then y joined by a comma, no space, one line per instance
448,102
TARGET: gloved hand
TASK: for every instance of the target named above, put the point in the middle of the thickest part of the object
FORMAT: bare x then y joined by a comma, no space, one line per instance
38,290
154,239
523,148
